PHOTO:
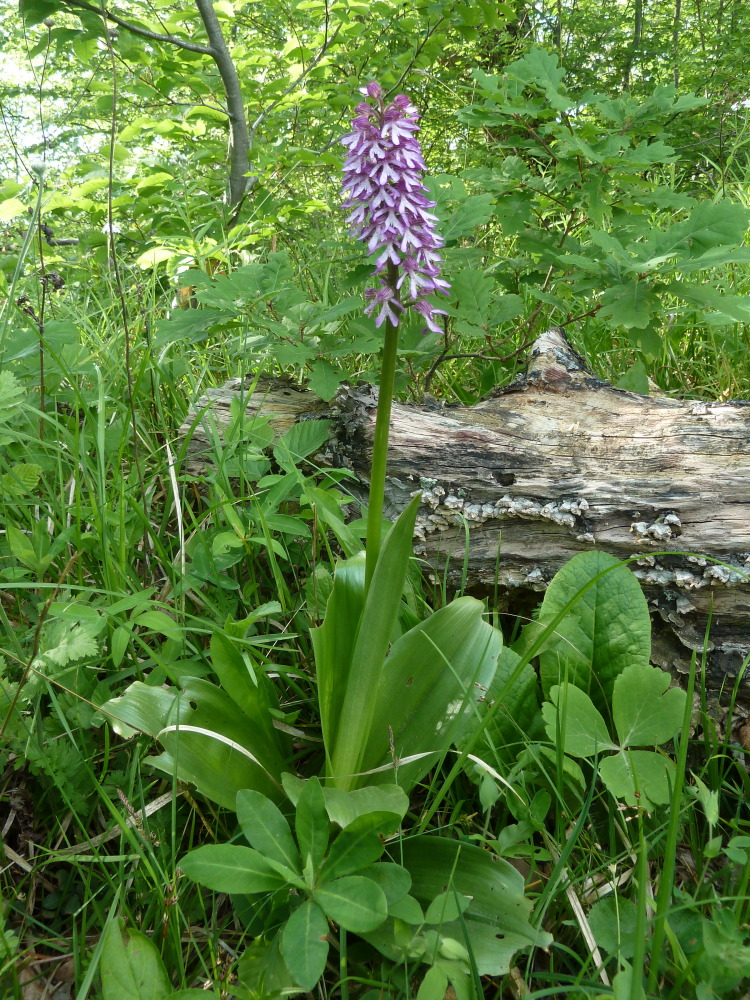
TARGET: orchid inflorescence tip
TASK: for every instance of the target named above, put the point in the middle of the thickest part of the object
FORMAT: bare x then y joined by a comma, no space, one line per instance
389,209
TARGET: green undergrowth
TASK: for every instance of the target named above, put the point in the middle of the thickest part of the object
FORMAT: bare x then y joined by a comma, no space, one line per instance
233,766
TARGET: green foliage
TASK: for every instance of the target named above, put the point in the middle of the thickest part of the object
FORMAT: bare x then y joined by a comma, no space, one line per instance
330,875
606,627
600,181
401,713
133,969
643,714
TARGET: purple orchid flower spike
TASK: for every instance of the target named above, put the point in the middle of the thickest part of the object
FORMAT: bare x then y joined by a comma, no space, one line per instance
389,210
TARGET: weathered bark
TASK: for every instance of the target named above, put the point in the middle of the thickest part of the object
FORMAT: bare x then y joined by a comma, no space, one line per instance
557,463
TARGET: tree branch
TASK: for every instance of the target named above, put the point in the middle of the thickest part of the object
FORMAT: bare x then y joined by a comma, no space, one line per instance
239,139
135,29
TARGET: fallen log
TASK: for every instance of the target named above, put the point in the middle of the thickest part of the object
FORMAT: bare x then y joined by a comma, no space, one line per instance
557,463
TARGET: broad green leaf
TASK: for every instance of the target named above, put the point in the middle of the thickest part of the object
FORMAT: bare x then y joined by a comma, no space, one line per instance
542,69
607,628
252,694
434,985
430,685
355,903
393,879
639,777
518,718
300,441
161,623
408,910
710,224
221,753
304,944
21,546
505,308
571,719
154,256
327,507
20,479
10,208
497,919
312,825
446,907
374,631
613,922
131,966
262,970
704,297
357,846
333,643
191,994
266,828
231,868
144,709
644,711
344,807
623,987
343,308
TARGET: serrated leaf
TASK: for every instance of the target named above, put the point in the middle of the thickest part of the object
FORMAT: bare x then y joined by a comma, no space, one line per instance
635,379
300,441
131,966
355,903
506,308
472,290
641,778
325,379
20,479
644,711
629,305
304,944
266,828
474,211
11,395
77,643
571,719
231,868
542,69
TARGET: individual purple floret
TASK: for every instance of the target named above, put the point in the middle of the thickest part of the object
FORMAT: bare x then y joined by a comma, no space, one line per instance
389,211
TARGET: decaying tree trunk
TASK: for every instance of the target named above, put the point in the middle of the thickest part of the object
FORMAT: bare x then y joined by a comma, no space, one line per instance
557,463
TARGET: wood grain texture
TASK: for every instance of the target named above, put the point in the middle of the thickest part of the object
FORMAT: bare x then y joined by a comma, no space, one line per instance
557,463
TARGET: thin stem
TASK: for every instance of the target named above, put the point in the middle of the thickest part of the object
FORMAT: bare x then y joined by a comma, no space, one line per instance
380,444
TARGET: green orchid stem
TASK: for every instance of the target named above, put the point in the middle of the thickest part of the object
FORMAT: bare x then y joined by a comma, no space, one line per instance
380,444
